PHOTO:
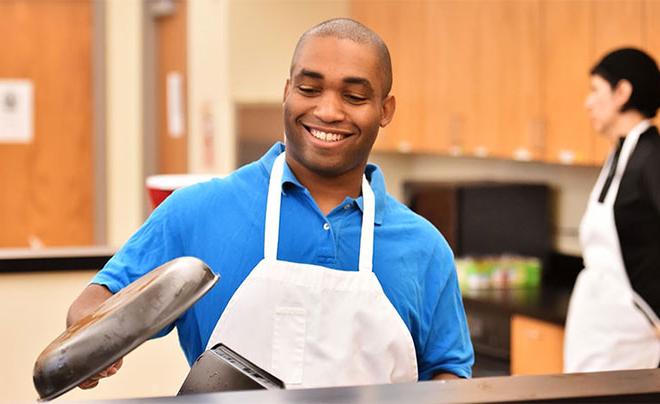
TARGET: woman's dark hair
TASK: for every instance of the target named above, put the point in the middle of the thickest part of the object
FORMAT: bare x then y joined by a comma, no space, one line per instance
637,67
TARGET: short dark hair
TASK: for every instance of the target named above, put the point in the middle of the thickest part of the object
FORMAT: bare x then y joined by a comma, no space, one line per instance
346,28
637,67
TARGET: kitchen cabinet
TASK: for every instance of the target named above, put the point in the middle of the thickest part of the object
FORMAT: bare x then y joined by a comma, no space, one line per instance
651,18
449,76
566,45
476,45
400,25
467,76
501,78
463,86
493,68
617,23
517,32
536,346
506,95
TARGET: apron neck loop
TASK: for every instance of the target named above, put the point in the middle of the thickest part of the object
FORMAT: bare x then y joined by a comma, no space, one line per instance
616,166
273,204
367,235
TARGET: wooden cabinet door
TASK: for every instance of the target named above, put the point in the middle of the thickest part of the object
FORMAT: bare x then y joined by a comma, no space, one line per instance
509,80
617,23
450,68
401,25
46,185
483,73
536,347
501,78
566,46
651,36
485,140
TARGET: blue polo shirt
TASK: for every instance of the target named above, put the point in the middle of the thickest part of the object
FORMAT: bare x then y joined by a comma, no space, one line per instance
222,223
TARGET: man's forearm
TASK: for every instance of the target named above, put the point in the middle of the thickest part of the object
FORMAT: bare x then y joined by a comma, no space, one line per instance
445,376
90,298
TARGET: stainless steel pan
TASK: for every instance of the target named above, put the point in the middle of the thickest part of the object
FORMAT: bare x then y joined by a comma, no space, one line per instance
120,324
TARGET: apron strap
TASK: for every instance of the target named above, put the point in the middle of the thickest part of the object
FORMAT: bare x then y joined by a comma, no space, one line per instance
629,144
646,310
627,148
272,227
367,235
273,204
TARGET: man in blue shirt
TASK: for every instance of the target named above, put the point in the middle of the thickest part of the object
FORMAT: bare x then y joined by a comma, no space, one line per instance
326,279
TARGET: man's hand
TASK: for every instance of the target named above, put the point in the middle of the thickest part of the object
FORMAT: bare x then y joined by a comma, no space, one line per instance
94,380
90,298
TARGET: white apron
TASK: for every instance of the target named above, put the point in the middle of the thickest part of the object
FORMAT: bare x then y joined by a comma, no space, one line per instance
313,326
608,326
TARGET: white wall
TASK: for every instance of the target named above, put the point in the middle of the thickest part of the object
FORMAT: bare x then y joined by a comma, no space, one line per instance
33,313
124,119
263,35
210,110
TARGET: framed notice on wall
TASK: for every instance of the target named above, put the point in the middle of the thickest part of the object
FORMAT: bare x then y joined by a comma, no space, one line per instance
175,119
16,111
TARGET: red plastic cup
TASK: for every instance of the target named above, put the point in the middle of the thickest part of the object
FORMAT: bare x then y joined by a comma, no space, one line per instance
161,186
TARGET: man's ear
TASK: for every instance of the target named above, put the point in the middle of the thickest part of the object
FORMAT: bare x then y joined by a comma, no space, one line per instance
622,92
286,90
389,105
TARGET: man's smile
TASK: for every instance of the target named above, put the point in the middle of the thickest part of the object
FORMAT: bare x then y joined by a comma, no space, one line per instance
327,135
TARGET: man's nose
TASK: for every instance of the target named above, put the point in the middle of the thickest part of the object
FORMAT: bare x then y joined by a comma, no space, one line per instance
329,108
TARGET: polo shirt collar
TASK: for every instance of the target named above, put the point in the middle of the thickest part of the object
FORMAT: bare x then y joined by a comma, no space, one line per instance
372,171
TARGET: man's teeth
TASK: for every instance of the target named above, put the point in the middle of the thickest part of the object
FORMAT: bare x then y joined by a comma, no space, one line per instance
328,137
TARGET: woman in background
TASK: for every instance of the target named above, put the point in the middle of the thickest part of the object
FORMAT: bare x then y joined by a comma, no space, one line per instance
612,319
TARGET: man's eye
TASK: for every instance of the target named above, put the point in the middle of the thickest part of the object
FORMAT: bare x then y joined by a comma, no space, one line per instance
307,90
356,99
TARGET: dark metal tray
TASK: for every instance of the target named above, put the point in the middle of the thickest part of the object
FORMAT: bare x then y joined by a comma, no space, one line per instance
222,369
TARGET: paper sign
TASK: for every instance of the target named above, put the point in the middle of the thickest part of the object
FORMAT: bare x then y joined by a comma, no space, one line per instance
175,120
16,106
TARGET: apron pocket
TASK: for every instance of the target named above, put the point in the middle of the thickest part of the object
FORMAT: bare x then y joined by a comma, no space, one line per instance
289,344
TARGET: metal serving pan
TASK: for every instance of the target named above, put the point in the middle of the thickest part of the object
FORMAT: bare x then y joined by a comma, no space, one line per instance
120,324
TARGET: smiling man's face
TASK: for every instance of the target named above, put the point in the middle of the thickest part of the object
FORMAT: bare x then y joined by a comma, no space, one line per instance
334,106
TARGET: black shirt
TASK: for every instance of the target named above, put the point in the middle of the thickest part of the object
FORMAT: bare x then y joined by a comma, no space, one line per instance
637,217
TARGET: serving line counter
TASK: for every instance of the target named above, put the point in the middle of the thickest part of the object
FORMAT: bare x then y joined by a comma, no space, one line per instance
621,386
54,258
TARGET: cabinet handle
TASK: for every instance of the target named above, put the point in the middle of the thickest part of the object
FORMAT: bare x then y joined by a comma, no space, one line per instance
481,151
522,154
404,146
455,132
566,156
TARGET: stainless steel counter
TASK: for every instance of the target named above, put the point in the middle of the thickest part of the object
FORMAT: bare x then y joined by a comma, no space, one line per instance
622,386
